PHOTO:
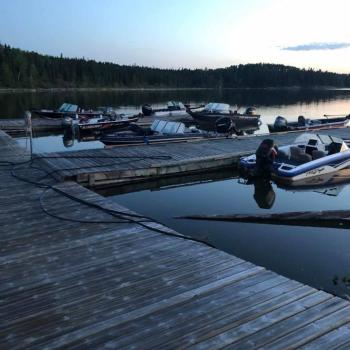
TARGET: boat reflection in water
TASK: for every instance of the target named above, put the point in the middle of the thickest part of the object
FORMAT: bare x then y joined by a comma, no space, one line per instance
70,137
264,194
328,184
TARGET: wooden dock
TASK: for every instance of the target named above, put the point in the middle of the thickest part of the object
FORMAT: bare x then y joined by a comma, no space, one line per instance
121,165
74,285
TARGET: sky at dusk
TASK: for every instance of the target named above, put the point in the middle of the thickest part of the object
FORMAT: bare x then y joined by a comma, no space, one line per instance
184,33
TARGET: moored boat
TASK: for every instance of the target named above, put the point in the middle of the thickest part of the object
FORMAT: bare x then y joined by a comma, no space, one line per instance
66,109
281,123
161,131
173,109
311,155
213,112
100,123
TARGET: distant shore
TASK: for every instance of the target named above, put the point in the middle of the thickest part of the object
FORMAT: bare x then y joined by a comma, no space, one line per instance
121,89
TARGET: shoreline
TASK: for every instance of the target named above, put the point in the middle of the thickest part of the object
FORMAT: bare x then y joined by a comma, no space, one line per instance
149,89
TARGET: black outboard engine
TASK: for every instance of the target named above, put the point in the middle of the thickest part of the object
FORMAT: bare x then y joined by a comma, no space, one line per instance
250,111
280,123
301,120
224,125
147,110
264,158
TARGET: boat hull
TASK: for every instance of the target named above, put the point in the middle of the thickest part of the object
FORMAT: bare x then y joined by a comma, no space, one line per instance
57,114
107,125
150,139
240,122
288,174
323,166
315,124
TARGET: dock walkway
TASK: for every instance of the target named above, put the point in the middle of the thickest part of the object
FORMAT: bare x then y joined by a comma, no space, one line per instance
70,284
111,166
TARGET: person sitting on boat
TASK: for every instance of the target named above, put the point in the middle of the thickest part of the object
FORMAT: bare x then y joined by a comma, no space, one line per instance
265,156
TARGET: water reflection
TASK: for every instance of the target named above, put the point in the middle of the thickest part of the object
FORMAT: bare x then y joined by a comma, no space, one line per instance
328,185
307,254
264,194
12,105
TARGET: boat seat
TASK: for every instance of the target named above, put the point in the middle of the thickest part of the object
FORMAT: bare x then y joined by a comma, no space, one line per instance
299,156
316,154
302,158
295,151
310,149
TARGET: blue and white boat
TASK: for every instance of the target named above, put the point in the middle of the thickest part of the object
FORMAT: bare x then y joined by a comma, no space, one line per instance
309,156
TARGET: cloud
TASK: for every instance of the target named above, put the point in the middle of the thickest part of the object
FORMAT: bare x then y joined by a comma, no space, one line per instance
317,46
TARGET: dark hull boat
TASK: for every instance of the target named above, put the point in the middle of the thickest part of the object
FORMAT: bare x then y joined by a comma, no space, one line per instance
93,125
161,131
119,139
281,124
173,109
66,109
213,113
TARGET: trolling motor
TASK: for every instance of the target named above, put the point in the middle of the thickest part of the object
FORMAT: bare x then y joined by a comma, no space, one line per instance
147,110
224,125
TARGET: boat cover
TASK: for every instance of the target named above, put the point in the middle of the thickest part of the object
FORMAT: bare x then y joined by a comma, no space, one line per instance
168,127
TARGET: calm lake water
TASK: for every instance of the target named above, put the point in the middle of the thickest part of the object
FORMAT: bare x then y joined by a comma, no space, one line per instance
316,256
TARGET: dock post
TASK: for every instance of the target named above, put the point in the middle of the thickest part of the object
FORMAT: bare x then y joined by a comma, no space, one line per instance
29,128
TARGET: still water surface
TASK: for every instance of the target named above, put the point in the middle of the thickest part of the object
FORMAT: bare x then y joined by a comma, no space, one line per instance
317,256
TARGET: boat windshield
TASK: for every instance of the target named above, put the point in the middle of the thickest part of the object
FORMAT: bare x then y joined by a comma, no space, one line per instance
175,105
67,107
217,107
63,107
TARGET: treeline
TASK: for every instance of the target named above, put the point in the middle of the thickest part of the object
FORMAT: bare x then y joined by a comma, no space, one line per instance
22,69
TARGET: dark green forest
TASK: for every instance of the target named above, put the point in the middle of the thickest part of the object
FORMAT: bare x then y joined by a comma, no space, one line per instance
23,69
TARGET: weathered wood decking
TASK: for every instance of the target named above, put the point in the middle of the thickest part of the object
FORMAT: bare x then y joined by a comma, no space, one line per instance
65,284
103,167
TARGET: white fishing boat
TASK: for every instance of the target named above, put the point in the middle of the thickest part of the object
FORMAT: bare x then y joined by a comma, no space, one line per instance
311,155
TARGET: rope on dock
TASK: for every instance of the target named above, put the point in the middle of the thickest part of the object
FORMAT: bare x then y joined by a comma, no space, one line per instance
121,215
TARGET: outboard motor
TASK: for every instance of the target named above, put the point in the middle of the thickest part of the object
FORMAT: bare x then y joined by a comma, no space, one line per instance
68,138
67,122
224,125
301,120
265,155
280,123
250,111
147,110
